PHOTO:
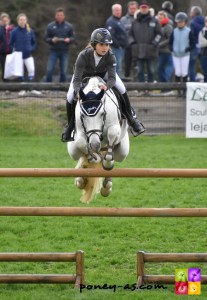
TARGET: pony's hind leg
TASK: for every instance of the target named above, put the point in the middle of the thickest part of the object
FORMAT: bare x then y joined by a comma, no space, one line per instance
107,187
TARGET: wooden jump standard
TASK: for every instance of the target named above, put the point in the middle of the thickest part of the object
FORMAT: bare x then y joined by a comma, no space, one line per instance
122,172
102,211
77,257
143,257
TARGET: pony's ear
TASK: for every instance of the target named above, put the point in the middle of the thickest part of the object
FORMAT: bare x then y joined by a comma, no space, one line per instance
100,95
82,94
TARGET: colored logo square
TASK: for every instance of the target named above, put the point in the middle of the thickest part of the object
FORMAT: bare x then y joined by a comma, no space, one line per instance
194,274
181,275
194,288
181,288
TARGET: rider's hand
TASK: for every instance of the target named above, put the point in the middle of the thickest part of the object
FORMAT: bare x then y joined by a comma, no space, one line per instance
103,87
76,96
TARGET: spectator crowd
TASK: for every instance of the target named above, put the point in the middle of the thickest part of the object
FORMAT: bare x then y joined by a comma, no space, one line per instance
164,46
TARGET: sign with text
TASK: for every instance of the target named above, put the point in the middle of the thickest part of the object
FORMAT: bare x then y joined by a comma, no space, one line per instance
196,110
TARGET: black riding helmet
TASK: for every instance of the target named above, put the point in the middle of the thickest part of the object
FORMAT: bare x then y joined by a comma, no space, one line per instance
181,17
168,5
102,36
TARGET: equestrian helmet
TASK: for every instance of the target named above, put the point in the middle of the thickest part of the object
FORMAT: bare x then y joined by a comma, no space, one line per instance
181,17
168,5
102,36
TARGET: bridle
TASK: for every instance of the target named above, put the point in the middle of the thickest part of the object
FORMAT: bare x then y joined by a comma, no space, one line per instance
97,131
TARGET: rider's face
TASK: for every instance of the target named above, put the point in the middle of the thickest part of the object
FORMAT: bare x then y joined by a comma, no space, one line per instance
102,49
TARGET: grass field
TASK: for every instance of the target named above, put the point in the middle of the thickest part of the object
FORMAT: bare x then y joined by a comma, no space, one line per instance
110,244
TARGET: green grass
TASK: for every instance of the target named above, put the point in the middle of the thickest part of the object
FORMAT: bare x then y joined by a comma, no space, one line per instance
110,244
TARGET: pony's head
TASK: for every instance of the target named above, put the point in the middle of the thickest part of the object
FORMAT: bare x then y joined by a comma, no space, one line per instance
92,117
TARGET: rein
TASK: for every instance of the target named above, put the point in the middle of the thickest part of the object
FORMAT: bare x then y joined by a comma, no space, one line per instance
115,104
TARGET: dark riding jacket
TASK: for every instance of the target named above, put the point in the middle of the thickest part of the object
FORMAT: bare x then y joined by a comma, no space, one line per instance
85,67
59,30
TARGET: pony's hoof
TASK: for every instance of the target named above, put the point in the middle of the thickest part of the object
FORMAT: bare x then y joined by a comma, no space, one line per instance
107,183
81,182
105,192
108,165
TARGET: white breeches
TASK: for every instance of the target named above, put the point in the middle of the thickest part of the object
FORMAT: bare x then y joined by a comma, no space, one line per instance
181,65
29,63
119,85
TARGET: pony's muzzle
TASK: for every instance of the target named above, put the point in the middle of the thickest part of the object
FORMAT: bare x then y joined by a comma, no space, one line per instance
95,143
95,146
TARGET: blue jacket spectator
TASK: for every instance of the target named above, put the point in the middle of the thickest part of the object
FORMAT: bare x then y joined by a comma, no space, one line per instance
119,35
202,40
196,24
23,40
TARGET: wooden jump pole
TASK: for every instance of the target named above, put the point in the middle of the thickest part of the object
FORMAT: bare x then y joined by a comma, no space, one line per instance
37,278
102,211
77,257
143,257
40,256
122,172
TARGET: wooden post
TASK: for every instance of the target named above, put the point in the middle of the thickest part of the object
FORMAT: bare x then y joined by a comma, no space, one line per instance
79,268
140,268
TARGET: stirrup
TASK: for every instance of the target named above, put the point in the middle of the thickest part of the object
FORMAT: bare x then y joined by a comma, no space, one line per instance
136,133
70,139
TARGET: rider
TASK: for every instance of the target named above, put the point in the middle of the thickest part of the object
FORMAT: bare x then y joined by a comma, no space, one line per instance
98,60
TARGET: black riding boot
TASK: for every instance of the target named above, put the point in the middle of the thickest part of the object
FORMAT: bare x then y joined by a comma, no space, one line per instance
178,79
128,111
67,132
185,79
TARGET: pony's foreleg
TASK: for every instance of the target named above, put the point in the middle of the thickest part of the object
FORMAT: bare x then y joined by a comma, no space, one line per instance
107,187
113,136
77,148
108,160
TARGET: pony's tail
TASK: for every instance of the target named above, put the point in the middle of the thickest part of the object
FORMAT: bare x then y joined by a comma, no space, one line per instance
93,184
